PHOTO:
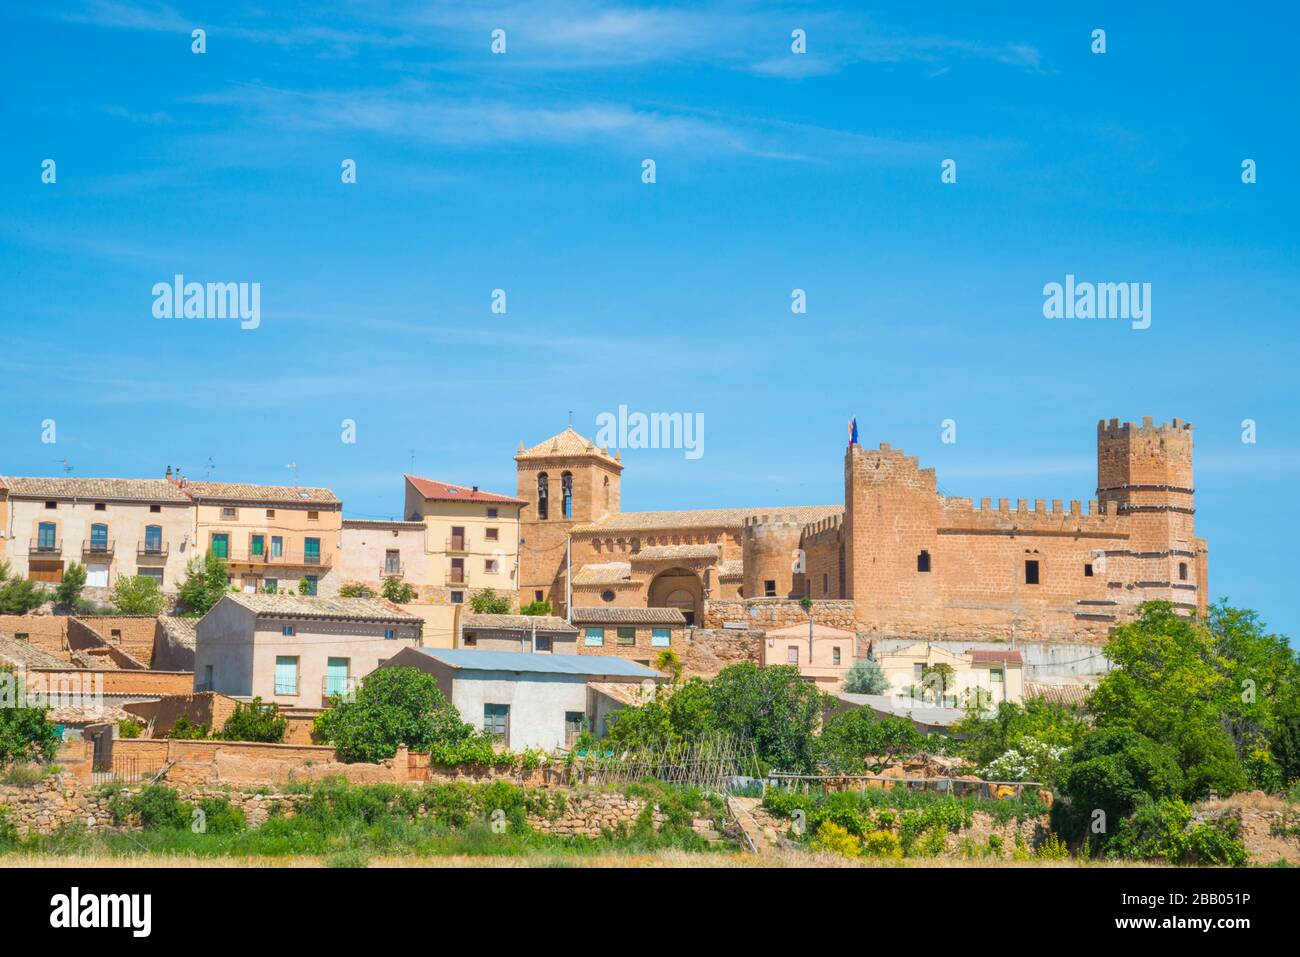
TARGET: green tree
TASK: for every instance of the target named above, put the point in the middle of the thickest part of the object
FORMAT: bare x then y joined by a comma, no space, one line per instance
355,590
68,590
255,722
984,737
537,608
19,596
488,602
138,595
865,676
393,707
25,734
396,590
206,581
671,662
851,737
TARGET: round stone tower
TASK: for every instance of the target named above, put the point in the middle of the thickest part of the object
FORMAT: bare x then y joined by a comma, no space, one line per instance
773,562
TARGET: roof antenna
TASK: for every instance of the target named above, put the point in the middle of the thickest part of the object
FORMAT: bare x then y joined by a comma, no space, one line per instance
211,465
293,467
67,467
570,418
412,461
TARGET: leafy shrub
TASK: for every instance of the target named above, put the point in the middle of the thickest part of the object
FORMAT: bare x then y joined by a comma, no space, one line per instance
206,583
537,608
68,590
837,840
23,775
255,722
160,807
488,602
221,817
355,590
138,595
1163,830
129,728
25,734
183,729
865,676
396,590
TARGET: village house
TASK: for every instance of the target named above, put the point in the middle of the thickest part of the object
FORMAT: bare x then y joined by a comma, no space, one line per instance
471,539
374,551
297,651
113,527
541,634
997,673
638,634
529,700
271,537
822,654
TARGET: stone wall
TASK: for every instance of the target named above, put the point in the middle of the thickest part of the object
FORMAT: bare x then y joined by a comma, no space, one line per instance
709,650
777,612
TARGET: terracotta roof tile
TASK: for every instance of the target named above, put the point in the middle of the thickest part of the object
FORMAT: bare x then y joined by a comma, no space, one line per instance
244,492
628,616
314,606
701,518
603,573
994,655
656,553
101,489
568,444
550,623
446,492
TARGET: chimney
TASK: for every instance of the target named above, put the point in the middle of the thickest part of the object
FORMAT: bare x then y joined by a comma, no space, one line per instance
476,488
169,473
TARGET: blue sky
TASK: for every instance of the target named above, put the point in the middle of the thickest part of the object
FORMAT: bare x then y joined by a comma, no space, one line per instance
775,171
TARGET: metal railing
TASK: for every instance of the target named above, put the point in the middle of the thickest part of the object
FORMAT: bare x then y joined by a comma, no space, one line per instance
97,548
38,547
457,546
397,570
126,770
303,559
455,578
146,550
985,790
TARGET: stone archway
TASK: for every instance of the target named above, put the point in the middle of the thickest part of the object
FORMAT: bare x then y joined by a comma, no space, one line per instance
678,588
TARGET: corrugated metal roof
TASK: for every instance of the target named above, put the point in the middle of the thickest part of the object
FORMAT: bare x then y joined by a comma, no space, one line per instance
522,661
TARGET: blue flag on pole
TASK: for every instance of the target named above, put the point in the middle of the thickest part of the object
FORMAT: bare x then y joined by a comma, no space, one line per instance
853,431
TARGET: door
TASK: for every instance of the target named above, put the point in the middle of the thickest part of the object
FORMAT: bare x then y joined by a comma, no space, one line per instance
97,576
336,676
575,722
99,538
496,722
458,570
457,538
45,540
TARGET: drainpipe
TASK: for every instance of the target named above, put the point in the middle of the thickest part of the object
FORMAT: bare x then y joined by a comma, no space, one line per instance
568,578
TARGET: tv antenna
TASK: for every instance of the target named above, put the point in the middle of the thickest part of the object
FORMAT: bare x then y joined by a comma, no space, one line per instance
211,466
67,467
293,467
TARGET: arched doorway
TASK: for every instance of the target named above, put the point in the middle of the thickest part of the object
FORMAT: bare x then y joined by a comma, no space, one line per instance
679,588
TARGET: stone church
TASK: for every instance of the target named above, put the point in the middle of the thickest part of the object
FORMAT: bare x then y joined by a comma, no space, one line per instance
896,559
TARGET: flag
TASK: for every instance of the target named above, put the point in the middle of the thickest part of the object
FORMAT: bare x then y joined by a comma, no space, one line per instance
853,431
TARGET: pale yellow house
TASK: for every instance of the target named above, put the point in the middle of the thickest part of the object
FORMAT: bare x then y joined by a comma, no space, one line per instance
821,653
271,537
374,551
998,674
297,651
112,526
471,538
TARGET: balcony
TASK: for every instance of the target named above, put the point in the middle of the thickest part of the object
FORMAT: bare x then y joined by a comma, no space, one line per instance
392,570
346,687
457,546
97,549
454,577
45,549
151,550
295,559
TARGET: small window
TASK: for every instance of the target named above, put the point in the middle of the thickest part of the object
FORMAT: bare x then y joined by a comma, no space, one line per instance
1087,570
22,636
313,583
115,634
492,513
230,513
923,561
270,585
769,588
390,634
1031,571
537,595
490,566
792,654
496,722
543,643
51,504
156,509
1182,571
835,655
627,636
918,671
458,598
313,516
491,534
287,631
594,637
826,583
995,676
270,513
661,637
606,595
101,507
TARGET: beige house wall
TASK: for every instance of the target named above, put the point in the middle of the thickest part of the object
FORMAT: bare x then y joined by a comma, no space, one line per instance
820,663
441,517
900,669
365,547
292,523
126,523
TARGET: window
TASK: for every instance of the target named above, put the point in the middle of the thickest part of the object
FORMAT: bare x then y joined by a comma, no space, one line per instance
390,634
490,566
566,485
458,570
835,656
627,636
51,504
769,588
155,573
491,534
607,595
392,562
1182,571
313,516
257,545
99,538
496,722
826,583
270,585
537,595
458,598
313,582
336,675
156,509
286,675
923,561
22,636
207,679
287,631
661,637
1031,571
220,544
153,539
542,495
543,643
230,513
1087,570
270,513
493,513
277,546
918,671
101,506
792,654
45,533
594,637
115,634
995,676
311,551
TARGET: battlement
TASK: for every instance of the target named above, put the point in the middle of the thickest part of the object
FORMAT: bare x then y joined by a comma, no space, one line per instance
756,523
889,465
823,530
1055,515
1115,428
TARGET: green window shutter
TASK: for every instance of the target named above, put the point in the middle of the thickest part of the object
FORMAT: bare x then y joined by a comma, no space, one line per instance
627,636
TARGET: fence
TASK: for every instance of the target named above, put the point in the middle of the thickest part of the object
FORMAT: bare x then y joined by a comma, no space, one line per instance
126,769
956,787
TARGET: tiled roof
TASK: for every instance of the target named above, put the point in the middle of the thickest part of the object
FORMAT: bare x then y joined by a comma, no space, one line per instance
1065,693
628,616
243,492
446,492
99,489
314,606
380,523
25,653
656,553
603,573
702,518
184,631
550,623
567,444
529,662
994,655
731,568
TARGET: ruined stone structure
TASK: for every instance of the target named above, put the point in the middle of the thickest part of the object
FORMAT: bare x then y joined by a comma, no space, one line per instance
912,562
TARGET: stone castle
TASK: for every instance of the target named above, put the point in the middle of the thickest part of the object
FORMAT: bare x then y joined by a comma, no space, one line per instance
897,559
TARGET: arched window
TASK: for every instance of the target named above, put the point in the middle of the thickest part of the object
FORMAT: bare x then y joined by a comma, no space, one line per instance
566,486
541,495
923,561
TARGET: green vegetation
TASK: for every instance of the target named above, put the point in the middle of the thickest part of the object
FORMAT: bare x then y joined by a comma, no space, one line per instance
19,596
850,738
396,590
255,721
355,590
138,595
865,676
488,602
25,734
537,608
129,728
206,582
68,591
